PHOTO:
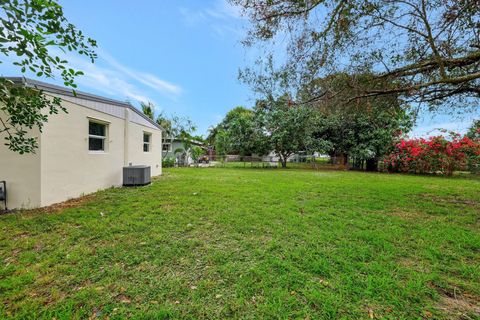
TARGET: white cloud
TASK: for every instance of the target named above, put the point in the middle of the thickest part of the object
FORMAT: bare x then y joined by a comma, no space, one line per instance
428,130
191,17
147,79
222,17
227,10
110,77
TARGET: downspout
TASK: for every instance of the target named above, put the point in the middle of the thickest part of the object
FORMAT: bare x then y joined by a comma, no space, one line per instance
126,137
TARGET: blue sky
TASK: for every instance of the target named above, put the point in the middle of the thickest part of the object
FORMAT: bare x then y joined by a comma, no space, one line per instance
182,55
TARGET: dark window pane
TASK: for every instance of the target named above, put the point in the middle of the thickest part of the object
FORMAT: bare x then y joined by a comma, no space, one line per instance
146,137
96,129
145,147
166,147
95,144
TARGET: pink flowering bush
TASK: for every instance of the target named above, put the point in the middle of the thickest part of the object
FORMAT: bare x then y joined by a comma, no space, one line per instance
434,155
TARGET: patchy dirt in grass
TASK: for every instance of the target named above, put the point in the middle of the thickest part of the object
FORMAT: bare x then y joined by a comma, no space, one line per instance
459,308
451,200
72,203
413,264
124,299
402,213
21,235
57,207
458,305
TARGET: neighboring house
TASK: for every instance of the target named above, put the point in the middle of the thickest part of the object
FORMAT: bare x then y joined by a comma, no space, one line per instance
184,157
81,151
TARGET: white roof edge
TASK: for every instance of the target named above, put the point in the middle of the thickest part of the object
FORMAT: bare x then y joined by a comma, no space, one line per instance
52,88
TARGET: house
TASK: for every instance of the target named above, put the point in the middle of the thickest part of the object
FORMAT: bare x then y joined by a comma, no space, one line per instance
81,151
175,148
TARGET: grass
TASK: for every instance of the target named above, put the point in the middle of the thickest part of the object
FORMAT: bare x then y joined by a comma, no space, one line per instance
250,243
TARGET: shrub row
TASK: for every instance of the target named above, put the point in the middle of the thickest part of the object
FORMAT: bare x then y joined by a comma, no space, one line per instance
436,154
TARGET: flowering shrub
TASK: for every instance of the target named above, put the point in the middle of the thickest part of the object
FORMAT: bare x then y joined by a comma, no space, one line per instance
435,155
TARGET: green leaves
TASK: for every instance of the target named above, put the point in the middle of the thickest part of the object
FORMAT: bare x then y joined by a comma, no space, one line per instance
27,30
239,133
26,117
430,48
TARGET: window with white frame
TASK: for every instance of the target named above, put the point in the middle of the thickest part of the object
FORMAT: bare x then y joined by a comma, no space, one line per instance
167,147
147,139
97,136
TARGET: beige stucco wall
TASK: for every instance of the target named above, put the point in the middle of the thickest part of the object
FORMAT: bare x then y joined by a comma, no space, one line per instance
64,168
22,174
136,156
68,168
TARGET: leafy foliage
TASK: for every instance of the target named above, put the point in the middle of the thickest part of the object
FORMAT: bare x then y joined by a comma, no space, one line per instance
25,107
474,131
363,130
288,128
435,154
148,109
360,129
168,162
175,127
238,133
196,152
428,50
28,29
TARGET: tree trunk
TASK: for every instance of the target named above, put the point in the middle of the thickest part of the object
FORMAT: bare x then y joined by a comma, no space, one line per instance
357,164
283,160
372,164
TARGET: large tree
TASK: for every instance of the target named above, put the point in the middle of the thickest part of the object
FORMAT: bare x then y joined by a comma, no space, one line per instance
360,130
238,134
426,50
288,128
29,29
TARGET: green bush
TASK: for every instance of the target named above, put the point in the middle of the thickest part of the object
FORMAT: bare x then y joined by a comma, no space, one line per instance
168,162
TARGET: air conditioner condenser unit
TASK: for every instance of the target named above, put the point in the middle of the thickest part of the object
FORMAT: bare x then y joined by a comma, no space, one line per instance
136,175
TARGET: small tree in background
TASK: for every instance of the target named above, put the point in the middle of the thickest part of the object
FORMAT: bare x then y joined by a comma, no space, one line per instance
235,134
148,109
287,128
195,153
474,134
175,127
29,28
474,130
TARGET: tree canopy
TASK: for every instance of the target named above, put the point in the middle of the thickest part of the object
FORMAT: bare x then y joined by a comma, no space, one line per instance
288,128
174,126
237,133
474,130
426,50
360,129
29,29
339,124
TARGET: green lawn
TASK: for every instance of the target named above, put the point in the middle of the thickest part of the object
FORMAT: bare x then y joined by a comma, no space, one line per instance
210,243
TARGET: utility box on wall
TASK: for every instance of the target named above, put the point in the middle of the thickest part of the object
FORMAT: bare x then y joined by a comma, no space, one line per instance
136,175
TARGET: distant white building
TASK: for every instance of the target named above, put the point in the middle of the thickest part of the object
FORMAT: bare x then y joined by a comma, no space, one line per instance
176,149
81,151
